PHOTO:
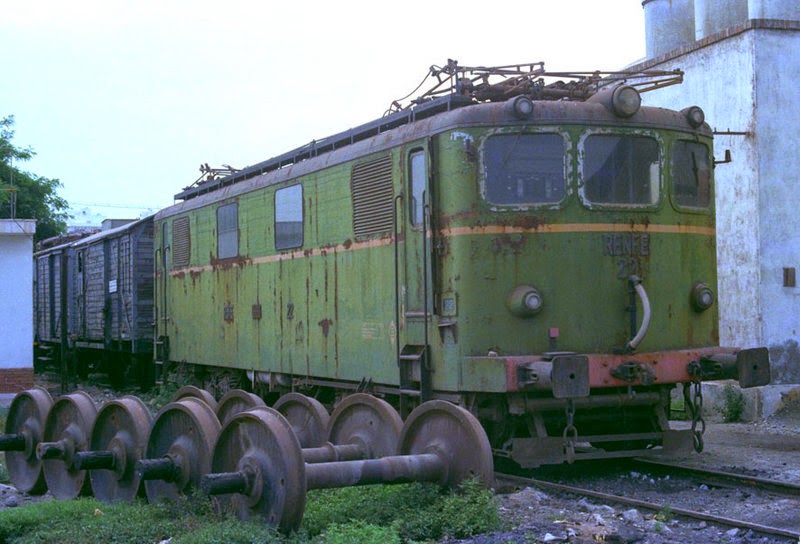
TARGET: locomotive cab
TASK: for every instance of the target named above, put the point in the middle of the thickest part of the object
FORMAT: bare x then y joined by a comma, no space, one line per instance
579,266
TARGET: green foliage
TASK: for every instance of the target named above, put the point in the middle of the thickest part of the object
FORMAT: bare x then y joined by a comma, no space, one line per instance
732,404
32,196
232,531
665,514
414,511
360,532
163,393
393,514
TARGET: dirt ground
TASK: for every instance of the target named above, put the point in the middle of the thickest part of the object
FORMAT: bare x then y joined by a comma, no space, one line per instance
768,449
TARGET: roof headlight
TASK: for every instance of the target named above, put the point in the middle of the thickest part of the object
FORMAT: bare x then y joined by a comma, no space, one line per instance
625,101
695,116
702,297
521,107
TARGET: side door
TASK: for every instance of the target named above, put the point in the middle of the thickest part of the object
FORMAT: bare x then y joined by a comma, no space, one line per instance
416,272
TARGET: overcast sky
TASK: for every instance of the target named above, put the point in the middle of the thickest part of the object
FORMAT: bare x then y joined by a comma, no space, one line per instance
123,100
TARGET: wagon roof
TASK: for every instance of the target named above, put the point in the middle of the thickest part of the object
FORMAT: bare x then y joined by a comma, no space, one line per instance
110,232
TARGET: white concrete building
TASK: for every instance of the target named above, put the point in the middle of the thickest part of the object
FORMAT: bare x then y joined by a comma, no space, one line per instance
741,60
16,304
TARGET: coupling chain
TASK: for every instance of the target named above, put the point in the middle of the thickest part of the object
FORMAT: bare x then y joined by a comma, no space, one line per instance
570,431
695,406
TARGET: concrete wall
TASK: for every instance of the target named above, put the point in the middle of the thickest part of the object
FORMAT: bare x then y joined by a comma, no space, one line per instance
777,112
745,77
16,304
727,100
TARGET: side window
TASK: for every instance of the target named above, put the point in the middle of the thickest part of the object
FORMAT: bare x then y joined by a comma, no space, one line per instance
416,183
525,169
228,231
289,217
181,242
691,174
621,170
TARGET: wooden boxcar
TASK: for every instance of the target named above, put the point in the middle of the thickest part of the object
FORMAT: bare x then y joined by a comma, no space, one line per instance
112,286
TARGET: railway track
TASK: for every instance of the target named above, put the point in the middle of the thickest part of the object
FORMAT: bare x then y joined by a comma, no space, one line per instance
721,478
730,479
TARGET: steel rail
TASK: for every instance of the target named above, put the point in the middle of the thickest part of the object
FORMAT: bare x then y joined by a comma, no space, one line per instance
712,475
766,529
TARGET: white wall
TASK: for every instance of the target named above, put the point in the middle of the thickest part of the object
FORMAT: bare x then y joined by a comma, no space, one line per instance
777,107
747,79
727,98
16,293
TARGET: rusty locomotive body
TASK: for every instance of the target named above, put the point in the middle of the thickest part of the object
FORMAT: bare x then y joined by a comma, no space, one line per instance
547,264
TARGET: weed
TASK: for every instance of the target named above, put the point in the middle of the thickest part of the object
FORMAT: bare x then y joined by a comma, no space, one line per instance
359,532
381,513
665,514
732,405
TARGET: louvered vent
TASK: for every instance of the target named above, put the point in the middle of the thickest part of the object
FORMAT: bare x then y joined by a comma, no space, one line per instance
181,242
372,197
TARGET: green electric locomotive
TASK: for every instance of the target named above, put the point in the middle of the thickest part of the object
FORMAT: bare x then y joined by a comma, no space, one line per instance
542,254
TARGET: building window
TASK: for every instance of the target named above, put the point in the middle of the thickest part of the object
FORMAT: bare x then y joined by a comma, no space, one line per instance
525,169
228,231
289,217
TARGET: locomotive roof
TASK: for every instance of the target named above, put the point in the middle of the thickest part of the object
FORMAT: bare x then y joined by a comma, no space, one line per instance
473,115
453,87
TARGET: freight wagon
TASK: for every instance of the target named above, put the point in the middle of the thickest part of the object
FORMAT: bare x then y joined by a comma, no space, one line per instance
106,282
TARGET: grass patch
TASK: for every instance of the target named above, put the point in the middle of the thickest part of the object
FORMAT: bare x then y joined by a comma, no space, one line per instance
385,514
732,404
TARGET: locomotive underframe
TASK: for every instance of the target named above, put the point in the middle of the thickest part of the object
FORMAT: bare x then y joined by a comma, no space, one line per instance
572,407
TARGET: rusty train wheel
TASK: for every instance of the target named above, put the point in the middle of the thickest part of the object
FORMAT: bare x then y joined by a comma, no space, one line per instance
67,432
367,421
121,427
259,452
455,435
26,417
190,391
308,418
183,432
236,401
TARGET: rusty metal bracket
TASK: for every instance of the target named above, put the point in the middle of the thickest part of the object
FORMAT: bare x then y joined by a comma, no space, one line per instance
634,371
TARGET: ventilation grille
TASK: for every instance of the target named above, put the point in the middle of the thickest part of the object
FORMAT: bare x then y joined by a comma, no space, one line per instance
181,243
372,197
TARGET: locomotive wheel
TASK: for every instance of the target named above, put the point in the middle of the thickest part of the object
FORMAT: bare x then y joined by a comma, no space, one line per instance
260,448
307,416
185,432
367,421
190,391
453,434
69,425
236,401
27,417
121,427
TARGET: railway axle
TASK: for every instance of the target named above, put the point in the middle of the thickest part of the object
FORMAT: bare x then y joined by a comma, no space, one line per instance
260,470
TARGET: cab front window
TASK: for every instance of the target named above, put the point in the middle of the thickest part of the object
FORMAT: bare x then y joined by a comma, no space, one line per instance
691,174
524,169
620,170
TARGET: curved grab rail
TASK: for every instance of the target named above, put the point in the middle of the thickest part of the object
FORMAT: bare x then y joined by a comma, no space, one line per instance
639,288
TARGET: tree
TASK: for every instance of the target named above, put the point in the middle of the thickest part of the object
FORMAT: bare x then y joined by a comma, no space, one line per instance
25,195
